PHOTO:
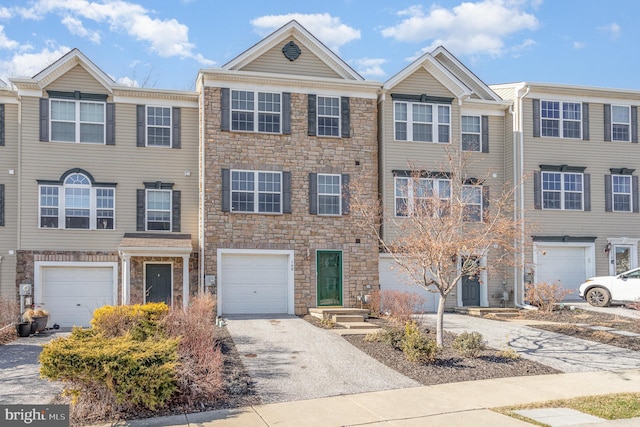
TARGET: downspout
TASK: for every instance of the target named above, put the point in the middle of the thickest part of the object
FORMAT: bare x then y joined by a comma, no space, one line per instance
519,276
202,188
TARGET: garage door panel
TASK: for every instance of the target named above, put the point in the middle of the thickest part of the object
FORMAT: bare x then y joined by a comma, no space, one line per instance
393,278
563,265
71,294
254,284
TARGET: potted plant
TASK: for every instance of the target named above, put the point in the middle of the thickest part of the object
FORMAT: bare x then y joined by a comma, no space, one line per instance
40,317
28,318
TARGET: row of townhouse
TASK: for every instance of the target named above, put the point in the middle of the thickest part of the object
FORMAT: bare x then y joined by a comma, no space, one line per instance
116,195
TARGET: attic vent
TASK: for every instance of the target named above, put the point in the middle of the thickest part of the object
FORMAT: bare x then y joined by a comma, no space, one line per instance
291,51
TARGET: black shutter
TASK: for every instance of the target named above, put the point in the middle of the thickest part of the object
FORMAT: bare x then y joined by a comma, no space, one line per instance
286,192
311,115
634,124
345,117
140,210
44,119
226,190
585,121
140,126
225,109
607,194
286,113
536,117
176,134
346,194
313,193
175,210
111,124
485,204
634,193
607,122
537,190
1,205
484,138
587,192
1,125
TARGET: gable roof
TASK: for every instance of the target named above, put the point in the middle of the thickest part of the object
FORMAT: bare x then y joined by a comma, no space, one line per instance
294,29
71,59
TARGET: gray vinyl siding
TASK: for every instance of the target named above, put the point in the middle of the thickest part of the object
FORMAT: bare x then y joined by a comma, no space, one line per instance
599,157
125,164
307,63
465,78
8,232
77,79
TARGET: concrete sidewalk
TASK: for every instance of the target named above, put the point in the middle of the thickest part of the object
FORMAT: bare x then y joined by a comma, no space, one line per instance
454,404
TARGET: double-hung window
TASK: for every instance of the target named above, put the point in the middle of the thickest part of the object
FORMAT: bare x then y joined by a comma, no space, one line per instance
562,190
561,119
77,121
472,199
329,194
621,193
471,133
328,116
158,209
413,195
620,123
76,204
158,126
422,122
256,111
256,191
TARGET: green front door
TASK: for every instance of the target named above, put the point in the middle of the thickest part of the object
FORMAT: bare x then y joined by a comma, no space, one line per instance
329,278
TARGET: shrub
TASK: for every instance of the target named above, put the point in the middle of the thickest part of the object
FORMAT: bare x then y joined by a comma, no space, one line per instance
545,295
9,313
141,321
138,373
634,305
199,374
416,346
392,336
508,353
400,306
374,303
469,344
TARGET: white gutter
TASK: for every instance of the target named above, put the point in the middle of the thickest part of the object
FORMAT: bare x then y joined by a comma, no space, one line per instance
202,162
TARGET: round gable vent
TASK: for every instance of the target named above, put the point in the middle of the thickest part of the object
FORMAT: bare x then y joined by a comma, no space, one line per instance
291,51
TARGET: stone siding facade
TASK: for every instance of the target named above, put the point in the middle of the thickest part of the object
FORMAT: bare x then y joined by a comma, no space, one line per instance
299,231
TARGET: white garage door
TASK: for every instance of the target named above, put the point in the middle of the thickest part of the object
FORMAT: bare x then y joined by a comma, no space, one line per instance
395,279
565,265
254,284
71,294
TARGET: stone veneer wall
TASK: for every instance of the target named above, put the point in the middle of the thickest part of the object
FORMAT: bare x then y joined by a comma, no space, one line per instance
26,264
300,231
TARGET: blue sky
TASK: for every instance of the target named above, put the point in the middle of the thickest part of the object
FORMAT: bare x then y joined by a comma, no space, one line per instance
163,44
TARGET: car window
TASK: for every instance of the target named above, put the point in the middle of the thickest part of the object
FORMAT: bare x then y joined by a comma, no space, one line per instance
633,274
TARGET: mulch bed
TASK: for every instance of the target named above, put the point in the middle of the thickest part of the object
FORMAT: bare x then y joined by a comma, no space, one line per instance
568,320
450,366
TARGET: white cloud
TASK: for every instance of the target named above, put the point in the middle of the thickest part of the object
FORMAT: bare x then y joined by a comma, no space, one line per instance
167,37
128,82
466,29
370,67
579,45
328,29
28,64
75,27
5,13
613,29
6,42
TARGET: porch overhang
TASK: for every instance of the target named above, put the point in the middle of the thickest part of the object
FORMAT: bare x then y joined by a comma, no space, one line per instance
154,245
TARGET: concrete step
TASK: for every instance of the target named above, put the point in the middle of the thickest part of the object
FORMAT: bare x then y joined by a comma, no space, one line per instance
322,312
507,315
339,318
358,325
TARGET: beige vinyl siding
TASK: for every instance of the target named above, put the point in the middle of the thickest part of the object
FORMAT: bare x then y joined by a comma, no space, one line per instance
421,82
77,79
125,164
504,92
598,156
307,63
8,233
464,77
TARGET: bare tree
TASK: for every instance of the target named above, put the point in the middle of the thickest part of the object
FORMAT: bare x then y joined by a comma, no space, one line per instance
442,224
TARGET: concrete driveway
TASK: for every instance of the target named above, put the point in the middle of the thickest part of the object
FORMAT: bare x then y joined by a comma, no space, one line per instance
20,381
616,310
290,359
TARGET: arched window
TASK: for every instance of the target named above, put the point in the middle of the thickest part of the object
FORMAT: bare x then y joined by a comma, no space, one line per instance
77,201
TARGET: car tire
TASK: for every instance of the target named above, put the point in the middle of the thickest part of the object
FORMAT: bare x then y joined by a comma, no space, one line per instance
598,297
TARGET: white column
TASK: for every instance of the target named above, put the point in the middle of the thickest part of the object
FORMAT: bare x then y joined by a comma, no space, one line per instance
185,281
126,278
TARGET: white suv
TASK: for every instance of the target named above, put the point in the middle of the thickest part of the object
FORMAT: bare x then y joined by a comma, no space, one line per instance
602,291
